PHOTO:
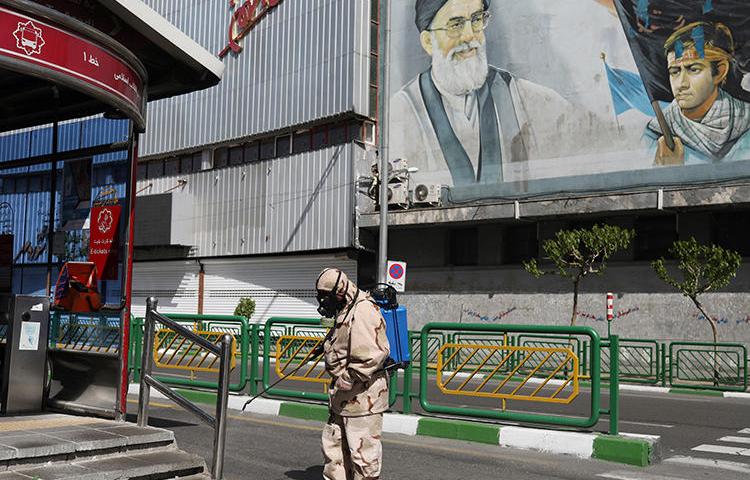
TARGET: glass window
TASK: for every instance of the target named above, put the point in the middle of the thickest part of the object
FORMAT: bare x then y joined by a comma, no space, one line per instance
9,185
368,130
654,236
141,172
374,37
252,152
520,243
337,134
186,164
301,141
172,167
373,101
320,137
374,10
221,158
198,162
35,183
22,184
267,149
354,131
373,70
464,246
235,156
156,169
283,145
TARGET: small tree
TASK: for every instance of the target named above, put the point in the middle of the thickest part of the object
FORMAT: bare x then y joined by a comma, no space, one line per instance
578,253
245,308
703,268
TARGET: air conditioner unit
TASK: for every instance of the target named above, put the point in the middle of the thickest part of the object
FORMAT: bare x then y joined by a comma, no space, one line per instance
398,195
427,194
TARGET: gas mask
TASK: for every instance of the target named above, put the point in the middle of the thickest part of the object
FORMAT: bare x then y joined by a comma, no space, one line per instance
329,304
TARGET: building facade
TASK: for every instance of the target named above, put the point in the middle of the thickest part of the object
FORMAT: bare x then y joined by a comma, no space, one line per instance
251,187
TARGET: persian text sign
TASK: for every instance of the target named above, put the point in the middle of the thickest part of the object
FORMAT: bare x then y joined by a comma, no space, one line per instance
244,18
103,247
29,40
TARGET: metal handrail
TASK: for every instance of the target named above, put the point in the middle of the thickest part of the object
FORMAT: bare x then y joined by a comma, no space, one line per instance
224,352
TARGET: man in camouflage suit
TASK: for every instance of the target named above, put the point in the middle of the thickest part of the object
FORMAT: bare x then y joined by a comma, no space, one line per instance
355,351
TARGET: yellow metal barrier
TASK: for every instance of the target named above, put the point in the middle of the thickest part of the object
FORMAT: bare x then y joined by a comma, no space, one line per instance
293,351
501,374
175,352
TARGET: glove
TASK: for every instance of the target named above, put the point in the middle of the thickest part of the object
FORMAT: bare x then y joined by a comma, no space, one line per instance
317,351
343,385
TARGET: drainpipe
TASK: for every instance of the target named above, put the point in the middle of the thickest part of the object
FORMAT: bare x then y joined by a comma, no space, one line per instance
201,286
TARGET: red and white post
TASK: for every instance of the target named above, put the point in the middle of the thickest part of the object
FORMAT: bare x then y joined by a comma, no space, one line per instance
610,311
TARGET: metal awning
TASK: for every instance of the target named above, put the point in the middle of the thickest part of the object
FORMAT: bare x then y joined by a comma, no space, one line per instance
61,60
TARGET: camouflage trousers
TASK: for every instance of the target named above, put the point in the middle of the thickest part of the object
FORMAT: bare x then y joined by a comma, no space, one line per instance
351,447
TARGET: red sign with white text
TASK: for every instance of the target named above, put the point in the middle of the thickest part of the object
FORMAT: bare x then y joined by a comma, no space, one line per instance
27,39
103,246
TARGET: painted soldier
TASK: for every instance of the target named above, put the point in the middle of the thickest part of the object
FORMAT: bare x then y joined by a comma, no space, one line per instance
355,352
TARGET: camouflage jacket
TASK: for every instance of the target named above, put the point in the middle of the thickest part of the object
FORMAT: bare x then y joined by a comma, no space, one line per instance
356,350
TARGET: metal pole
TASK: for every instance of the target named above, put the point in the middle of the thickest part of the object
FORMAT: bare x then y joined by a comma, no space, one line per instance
52,201
144,393
220,433
127,281
614,385
383,73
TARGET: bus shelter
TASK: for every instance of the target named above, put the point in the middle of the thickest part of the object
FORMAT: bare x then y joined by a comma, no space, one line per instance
76,77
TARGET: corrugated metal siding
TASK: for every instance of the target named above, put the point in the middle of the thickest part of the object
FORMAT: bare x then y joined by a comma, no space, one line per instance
174,284
306,60
298,203
280,286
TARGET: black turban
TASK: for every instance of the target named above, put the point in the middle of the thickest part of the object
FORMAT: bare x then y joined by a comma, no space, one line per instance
425,11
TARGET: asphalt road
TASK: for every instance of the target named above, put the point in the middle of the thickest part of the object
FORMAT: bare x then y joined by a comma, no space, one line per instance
276,448
685,422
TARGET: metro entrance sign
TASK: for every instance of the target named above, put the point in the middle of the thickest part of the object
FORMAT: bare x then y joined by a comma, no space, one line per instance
56,54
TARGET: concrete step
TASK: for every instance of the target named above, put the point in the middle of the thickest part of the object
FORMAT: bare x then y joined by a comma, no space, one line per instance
60,438
155,464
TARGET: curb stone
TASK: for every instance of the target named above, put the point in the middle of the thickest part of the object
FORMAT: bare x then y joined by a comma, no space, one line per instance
630,449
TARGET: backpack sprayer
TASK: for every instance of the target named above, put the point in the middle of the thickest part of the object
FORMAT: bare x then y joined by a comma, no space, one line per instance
396,329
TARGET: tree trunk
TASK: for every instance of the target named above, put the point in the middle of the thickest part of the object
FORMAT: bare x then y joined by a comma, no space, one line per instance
715,332
575,301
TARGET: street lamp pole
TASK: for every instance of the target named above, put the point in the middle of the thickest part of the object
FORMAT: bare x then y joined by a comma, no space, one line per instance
383,50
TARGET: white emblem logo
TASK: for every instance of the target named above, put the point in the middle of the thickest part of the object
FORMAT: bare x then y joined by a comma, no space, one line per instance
105,220
29,38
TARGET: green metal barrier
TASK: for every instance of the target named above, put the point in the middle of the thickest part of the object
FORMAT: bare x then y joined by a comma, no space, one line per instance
640,361
90,332
595,365
712,366
269,350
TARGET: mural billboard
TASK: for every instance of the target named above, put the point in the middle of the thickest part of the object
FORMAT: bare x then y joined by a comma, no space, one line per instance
494,98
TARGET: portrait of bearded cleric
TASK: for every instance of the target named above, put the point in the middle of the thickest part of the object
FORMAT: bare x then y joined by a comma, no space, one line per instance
463,121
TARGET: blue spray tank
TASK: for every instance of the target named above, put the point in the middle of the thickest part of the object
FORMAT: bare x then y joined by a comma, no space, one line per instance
396,325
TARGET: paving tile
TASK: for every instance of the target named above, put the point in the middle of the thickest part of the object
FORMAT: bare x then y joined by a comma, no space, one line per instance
7,453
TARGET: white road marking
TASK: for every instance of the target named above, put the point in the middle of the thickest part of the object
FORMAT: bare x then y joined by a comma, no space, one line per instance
707,462
723,449
735,439
646,424
746,431
624,475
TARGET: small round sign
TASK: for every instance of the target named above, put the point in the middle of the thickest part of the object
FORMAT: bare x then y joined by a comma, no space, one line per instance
396,271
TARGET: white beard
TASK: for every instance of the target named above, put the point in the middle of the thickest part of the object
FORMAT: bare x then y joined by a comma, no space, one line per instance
459,77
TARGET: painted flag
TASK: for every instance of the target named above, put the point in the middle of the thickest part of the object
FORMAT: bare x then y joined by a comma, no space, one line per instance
627,91
648,24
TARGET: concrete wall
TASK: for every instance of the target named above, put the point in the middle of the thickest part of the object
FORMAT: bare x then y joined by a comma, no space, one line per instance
648,308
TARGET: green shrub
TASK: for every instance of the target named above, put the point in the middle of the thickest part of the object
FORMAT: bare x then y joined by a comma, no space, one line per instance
246,307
